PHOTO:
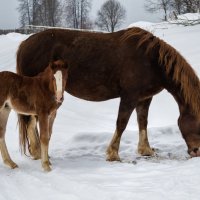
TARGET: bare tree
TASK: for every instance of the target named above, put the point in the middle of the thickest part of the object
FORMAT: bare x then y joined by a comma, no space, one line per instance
24,10
51,12
77,13
177,7
40,12
157,5
110,16
191,6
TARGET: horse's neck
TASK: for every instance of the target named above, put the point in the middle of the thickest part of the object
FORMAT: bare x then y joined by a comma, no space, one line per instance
176,93
184,108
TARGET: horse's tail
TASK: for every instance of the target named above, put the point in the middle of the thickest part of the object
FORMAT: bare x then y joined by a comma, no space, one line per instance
175,67
25,126
23,122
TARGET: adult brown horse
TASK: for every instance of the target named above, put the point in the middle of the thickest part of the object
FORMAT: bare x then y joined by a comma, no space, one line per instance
132,64
38,96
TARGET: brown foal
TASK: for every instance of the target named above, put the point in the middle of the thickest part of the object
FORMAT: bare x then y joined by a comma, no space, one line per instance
38,96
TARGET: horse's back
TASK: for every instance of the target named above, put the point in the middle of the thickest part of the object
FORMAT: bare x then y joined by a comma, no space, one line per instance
95,60
35,52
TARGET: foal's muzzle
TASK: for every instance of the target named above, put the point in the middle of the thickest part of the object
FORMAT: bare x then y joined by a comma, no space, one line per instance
59,97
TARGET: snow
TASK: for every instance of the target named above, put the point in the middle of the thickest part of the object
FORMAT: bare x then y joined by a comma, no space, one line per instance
189,16
83,130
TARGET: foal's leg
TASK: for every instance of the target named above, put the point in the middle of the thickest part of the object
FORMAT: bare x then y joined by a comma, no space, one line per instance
33,136
4,113
125,109
51,121
142,115
44,141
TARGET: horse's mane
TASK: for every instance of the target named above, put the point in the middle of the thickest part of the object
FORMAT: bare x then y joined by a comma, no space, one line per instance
175,66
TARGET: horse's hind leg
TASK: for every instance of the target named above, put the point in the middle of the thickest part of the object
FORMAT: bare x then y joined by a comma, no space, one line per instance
32,132
28,129
142,115
125,110
4,113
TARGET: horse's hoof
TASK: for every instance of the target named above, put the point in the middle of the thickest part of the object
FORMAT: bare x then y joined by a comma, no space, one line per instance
47,169
146,152
195,152
113,157
50,163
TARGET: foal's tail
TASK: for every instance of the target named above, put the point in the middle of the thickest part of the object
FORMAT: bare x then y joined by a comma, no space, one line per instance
24,123
176,69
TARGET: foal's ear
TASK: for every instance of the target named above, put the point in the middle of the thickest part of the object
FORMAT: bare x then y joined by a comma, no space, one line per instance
66,64
52,65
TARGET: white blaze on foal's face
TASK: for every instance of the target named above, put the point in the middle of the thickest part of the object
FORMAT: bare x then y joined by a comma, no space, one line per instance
59,89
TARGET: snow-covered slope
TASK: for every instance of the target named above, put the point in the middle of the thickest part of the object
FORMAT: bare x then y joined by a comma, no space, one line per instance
82,132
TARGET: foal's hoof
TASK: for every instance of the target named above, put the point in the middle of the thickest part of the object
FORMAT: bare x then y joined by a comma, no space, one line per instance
195,152
14,165
36,155
11,164
46,167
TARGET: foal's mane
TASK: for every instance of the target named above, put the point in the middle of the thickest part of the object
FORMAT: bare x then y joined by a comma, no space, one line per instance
175,66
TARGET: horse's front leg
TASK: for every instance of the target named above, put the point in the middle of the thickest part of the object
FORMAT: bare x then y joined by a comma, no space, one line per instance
142,114
125,109
44,140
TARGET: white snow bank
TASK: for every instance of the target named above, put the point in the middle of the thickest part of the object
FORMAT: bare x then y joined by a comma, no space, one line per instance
185,19
189,16
16,37
141,24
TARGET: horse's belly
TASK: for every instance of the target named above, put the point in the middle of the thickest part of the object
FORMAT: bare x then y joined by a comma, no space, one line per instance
98,93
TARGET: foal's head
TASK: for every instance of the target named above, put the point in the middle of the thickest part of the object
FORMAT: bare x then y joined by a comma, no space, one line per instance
57,74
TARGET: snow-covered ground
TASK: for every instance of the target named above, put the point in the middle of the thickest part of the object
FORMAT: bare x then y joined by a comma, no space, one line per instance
84,129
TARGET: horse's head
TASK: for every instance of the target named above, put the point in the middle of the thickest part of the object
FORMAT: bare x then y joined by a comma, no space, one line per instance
58,73
189,125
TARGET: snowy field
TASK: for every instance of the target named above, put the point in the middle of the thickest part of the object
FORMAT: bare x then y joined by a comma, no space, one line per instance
84,129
